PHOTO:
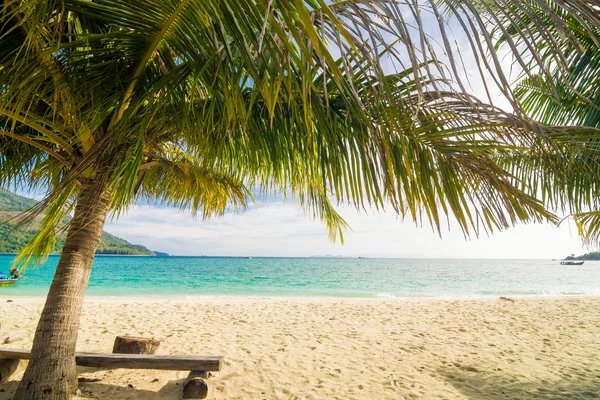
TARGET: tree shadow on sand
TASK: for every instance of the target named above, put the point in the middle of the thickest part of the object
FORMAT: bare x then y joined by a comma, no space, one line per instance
172,390
504,385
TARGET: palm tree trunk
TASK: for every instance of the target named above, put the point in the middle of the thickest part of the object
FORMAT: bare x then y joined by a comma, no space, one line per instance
51,373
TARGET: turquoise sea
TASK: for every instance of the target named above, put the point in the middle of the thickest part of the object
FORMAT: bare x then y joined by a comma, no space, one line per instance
319,277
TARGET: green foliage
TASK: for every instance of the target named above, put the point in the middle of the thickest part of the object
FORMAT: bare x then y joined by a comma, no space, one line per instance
11,202
110,244
560,84
13,238
192,102
593,256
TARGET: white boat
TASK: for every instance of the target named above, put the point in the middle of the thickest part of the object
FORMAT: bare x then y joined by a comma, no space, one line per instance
572,262
6,281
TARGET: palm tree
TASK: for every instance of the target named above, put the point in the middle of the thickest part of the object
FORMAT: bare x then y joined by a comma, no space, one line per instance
559,84
192,102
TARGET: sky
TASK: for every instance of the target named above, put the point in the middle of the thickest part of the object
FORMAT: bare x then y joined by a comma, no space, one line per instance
282,229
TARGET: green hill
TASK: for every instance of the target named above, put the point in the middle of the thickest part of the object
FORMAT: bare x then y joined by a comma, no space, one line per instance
593,256
13,239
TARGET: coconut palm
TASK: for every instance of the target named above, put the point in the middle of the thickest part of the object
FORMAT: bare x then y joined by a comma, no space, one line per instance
194,103
559,92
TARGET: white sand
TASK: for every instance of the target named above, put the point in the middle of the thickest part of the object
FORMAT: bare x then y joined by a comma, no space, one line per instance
343,349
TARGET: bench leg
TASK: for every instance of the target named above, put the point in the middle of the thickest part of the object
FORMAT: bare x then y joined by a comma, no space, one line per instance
196,386
7,368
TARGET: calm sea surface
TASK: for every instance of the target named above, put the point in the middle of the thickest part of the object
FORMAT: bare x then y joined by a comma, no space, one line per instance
308,277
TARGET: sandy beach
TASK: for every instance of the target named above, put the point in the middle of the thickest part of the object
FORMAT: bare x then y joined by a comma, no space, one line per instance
342,348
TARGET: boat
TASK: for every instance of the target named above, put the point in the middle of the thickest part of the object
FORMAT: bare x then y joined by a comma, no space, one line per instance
14,277
572,262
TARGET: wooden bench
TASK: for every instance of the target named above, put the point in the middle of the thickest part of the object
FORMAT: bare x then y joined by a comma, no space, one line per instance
194,388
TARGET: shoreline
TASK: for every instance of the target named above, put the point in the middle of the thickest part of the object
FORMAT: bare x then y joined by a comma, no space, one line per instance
200,298
326,257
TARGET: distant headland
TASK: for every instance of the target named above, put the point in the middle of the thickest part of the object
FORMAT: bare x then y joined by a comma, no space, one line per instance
14,238
595,255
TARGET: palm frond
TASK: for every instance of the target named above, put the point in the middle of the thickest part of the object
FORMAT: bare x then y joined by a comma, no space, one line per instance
559,85
190,102
588,225
185,183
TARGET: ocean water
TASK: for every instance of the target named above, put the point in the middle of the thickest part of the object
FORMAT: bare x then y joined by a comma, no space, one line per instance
319,277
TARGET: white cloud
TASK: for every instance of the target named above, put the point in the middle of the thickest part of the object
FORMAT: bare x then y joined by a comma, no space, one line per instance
279,229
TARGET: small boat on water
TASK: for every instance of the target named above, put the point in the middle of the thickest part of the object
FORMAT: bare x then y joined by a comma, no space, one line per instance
14,277
572,262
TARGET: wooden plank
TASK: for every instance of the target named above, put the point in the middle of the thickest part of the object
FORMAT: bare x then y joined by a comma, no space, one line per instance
15,354
133,361
149,361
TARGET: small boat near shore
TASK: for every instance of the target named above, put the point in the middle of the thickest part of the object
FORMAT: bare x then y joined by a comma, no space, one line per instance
572,262
14,277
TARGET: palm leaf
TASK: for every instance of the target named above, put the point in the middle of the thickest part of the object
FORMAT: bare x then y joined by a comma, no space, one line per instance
190,102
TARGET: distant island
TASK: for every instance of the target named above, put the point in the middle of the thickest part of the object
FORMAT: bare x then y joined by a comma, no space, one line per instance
13,239
160,254
595,255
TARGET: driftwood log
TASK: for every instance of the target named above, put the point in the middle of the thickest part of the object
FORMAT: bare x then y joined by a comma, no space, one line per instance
135,345
507,299
196,386
7,368
132,361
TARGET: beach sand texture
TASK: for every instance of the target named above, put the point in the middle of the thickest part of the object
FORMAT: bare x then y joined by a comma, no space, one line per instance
342,348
